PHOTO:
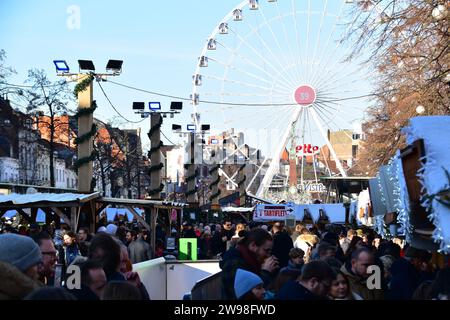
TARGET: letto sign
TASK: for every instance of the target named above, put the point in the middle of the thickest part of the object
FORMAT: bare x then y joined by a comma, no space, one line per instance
307,149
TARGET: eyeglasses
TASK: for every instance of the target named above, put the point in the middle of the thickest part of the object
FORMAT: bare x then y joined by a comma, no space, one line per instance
228,225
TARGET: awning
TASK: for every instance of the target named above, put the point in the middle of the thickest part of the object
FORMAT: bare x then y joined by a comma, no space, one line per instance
49,199
237,209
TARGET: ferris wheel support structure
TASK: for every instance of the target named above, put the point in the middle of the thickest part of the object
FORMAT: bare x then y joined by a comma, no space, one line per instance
275,162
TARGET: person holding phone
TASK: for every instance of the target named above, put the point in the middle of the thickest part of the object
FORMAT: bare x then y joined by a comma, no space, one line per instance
253,253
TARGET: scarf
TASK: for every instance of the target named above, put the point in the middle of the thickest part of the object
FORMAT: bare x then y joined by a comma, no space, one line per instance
250,259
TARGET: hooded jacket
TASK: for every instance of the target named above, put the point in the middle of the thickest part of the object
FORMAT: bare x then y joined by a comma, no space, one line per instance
14,284
358,285
239,258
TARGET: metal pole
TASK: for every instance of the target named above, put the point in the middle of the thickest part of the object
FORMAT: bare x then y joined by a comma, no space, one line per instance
191,170
155,156
242,177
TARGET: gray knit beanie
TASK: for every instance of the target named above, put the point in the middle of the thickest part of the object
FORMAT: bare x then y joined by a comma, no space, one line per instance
20,251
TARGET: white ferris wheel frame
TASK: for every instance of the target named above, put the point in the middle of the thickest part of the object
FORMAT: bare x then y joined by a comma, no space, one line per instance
274,163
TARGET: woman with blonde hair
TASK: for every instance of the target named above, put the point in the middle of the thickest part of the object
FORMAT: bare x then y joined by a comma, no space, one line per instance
307,243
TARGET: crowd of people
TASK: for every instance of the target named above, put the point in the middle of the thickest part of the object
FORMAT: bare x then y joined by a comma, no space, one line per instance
258,262
329,262
35,262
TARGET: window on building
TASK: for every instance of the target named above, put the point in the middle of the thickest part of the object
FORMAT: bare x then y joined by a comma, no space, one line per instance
354,151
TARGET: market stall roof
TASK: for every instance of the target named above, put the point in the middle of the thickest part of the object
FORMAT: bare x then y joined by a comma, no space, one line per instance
349,184
14,200
238,209
434,176
141,202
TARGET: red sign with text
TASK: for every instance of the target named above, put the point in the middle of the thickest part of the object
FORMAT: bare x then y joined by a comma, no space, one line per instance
307,149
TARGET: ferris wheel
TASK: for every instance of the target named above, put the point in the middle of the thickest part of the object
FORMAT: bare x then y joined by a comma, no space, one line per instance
279,72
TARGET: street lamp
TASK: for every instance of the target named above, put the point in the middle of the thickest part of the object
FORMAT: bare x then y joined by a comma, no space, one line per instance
114,66
156,114
61,66
86,107
420,109
87,65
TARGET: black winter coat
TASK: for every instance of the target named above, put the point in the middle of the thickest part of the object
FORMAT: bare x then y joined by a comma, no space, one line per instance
282,244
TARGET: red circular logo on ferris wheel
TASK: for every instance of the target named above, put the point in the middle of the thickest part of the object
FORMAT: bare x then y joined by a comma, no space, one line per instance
305,95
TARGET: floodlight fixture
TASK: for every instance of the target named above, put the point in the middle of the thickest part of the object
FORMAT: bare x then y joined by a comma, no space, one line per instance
138,105
61,66
154,106
205,127
176,105
176,127
191,127
115,66
86,65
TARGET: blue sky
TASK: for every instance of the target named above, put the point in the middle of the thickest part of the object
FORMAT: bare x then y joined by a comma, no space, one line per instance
159,42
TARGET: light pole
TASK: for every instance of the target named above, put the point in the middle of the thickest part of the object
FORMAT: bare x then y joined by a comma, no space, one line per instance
156,116
190,166
85,113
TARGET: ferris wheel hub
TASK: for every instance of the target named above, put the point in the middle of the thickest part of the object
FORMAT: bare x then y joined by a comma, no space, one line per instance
305,95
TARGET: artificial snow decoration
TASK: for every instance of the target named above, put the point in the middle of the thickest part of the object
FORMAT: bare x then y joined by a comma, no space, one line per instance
379,226
401,196
363,208
433,176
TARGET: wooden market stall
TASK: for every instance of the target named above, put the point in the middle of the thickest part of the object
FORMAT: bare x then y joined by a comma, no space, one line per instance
152,210
66,206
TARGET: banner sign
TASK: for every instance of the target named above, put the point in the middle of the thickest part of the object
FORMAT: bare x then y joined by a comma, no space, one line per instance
280,212
273,212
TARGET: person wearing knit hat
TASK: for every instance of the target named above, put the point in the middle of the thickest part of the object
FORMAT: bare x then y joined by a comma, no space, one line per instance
19,260
248,286
111,229
20,251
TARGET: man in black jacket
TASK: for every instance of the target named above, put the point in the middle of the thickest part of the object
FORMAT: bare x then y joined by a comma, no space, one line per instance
313,284
282,244
188,231
220,239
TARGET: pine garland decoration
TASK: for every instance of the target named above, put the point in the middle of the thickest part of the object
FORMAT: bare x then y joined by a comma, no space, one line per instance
88,135
85,137
152,192
86,111
155,128
82,85
155,168
155,149
81,162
